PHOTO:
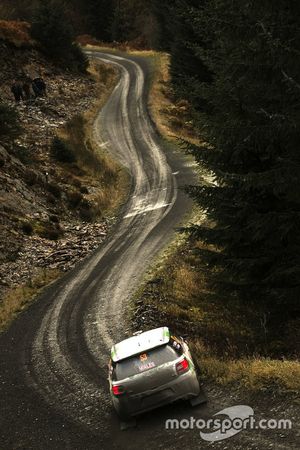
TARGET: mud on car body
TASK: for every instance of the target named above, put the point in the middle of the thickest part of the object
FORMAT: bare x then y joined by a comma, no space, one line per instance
149,370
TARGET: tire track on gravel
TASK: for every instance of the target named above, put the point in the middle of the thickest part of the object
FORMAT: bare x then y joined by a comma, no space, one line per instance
68,357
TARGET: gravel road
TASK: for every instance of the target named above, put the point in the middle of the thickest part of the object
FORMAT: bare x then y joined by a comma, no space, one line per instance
53,381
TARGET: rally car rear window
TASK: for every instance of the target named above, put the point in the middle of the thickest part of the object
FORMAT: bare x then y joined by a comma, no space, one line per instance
145,361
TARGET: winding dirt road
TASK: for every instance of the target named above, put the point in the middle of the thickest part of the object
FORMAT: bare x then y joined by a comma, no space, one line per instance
53,380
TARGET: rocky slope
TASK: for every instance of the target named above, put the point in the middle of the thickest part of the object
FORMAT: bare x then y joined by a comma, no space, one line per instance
39,222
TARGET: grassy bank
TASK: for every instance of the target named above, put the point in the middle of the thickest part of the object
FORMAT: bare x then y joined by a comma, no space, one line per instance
170,115
19,298
229,340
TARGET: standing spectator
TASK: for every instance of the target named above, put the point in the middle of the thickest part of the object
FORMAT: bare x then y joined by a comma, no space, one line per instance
27,88
17,90
39,87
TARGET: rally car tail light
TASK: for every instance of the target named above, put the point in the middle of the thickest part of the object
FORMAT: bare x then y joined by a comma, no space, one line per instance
118,389
182,366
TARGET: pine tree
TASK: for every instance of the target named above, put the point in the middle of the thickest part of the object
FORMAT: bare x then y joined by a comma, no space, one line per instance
52,29
178,37
99,18
188,68
251,127
165,17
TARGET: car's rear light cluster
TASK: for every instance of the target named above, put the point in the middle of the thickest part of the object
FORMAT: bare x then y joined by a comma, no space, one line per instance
182,366
117,389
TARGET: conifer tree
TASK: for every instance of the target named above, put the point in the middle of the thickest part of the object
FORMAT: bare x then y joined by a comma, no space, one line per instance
178,37
52,29
251,127
99,18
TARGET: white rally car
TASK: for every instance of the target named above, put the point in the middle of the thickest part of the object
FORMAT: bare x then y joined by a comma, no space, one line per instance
149,370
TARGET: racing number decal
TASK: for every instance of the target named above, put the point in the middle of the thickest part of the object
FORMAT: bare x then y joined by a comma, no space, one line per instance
145,365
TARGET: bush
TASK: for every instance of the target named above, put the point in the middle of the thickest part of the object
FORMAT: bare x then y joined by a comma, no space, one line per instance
16,32
84,190
54,219
78,60
76,183
61,151
27,228
50,231
51,199
31,178
87,211
74,199
9,122
87,214
54,189
22,154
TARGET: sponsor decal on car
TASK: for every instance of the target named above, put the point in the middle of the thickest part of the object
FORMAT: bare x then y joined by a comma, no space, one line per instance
146,366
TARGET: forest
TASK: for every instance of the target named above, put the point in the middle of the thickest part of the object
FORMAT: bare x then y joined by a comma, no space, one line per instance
237,63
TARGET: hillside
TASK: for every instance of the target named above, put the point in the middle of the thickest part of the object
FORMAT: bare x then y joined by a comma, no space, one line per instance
49,210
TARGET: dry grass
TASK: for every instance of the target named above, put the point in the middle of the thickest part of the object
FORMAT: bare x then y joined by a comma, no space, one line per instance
227,337
127,46
187,280
16,33
115,180
172,117
19,298
253,373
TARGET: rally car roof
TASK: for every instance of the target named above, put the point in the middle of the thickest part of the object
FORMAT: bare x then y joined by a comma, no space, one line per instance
140,343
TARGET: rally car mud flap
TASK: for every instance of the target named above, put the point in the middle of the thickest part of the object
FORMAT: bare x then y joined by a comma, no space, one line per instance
125,425
200,399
